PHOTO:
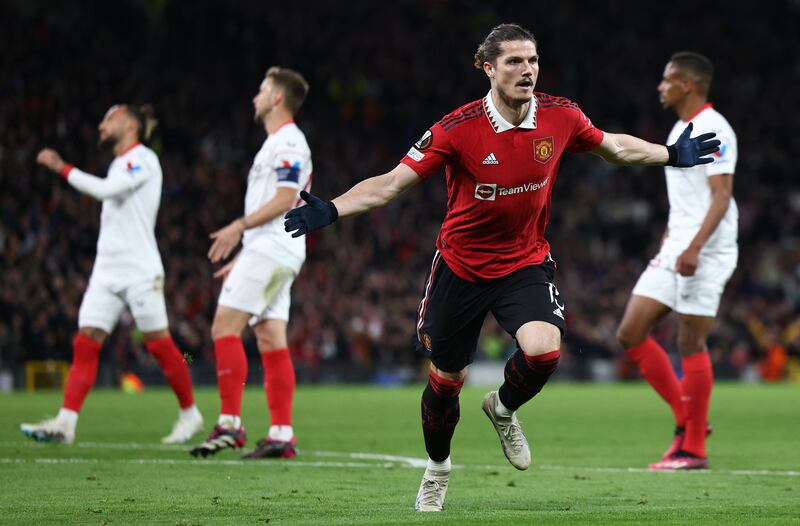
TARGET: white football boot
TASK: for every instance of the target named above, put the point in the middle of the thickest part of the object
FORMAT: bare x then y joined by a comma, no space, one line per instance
432,490
187,426
515,445
50,430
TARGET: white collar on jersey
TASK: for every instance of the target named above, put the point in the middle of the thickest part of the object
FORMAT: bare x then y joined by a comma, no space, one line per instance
500,124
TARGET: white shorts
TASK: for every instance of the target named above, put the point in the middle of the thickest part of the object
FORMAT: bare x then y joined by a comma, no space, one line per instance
102,305
697,295
259,285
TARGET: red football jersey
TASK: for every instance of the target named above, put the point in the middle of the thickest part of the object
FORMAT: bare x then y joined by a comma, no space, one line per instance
499,180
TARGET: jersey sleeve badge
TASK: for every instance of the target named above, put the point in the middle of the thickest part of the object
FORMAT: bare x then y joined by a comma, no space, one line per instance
133,168
288,172
420,146
425,141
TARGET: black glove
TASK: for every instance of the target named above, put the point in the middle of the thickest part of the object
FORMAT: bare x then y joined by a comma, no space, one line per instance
313,216
689,151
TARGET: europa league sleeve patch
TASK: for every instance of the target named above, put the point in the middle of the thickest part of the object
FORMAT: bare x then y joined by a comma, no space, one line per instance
425,141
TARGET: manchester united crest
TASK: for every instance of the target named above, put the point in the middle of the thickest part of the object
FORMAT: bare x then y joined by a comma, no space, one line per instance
426,340
543,149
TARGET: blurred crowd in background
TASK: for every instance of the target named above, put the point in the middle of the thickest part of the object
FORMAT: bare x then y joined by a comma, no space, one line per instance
380,75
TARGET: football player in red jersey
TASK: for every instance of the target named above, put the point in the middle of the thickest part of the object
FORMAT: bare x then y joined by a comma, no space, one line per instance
501,155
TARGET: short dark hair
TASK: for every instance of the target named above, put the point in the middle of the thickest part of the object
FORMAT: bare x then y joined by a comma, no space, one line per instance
294,86
145,116
698,66
489,49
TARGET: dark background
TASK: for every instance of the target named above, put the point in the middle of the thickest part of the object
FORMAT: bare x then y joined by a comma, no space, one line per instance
380,74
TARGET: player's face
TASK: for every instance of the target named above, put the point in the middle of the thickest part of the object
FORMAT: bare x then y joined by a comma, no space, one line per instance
112,127
516,70
673,86
264,100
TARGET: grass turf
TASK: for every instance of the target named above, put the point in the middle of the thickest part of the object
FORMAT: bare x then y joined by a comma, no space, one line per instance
584,437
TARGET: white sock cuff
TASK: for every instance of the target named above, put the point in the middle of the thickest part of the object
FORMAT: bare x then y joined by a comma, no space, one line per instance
189,412
444,465
502,410
68,417
229,421
282,433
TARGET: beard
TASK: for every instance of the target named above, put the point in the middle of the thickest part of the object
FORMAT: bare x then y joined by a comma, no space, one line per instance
107,144
258,117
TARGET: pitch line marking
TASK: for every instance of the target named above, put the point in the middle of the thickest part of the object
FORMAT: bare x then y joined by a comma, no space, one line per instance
409,461
371,465
190,462
388,461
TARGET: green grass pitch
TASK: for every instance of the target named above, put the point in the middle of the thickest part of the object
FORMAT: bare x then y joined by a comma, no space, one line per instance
359,462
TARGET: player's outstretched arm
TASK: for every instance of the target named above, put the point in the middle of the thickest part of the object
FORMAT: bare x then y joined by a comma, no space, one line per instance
88,184
687,151
366,195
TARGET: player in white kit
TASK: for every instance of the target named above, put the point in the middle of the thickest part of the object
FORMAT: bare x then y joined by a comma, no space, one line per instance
697,257
258,281
127,272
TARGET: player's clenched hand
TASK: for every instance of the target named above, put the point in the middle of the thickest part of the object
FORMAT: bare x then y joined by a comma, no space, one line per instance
50,159
686,264
225,240
689,151
313,216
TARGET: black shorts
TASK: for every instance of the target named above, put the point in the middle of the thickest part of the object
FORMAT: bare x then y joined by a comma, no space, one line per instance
452,310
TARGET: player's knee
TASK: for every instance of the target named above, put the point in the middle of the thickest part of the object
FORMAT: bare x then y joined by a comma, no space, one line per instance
219,329
691,344
152,336
266,343
271,335
537,337
457,376
98,335
627,337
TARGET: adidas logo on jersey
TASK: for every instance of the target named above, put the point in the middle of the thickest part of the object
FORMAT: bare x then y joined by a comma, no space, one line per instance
491,159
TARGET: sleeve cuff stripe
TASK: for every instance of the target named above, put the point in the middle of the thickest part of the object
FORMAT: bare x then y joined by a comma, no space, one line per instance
66,170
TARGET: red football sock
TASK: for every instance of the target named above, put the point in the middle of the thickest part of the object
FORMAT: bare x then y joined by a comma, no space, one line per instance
698,377
82,374
525,376
440,411
279,384
231,373
175,369
656,368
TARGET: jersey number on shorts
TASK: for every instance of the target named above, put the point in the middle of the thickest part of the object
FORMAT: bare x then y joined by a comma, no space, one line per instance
559,310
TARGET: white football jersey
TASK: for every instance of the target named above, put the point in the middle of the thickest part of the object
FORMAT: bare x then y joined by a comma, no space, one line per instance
131,193
284,160
690,194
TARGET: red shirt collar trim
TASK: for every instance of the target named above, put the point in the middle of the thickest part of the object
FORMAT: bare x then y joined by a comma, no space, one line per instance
703,108
131,147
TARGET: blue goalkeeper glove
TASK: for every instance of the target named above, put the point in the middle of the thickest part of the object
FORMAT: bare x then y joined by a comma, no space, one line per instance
313,216
689,151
